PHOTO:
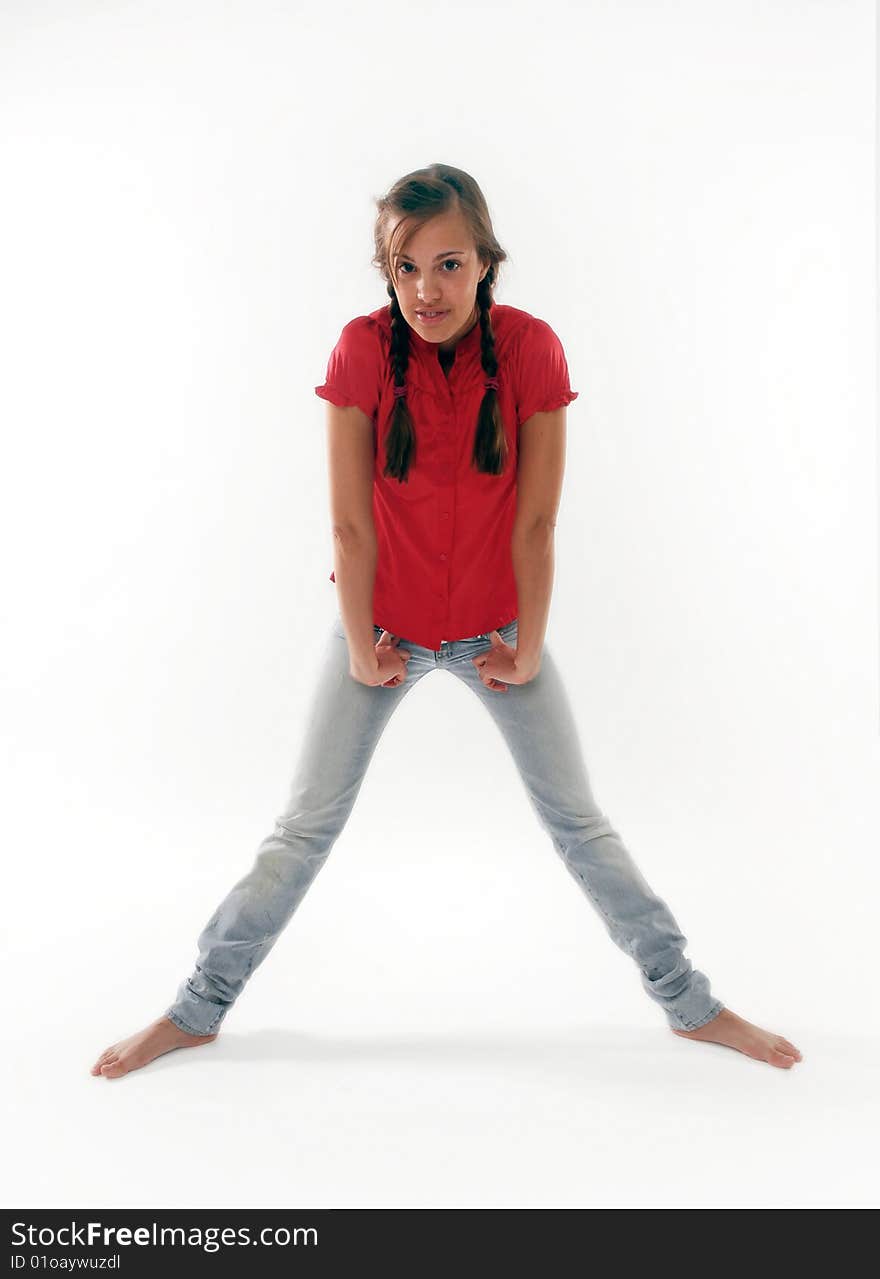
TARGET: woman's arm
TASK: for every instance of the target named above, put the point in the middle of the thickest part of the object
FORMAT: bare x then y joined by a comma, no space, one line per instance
350,461
540,468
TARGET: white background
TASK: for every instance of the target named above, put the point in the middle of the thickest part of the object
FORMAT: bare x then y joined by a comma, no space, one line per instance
687,194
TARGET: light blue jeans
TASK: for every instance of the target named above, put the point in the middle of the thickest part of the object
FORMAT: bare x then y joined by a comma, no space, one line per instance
344,723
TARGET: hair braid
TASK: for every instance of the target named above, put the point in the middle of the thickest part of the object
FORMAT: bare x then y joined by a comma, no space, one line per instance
490,444
400,442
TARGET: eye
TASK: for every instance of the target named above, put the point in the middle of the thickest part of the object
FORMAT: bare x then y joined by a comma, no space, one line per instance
446,262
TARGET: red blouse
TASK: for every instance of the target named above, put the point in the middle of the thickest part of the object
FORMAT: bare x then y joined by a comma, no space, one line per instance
444,568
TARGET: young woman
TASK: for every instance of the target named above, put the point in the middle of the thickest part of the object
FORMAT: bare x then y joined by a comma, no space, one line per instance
446,429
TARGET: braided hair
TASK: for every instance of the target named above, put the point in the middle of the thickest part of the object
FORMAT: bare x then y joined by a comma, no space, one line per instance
416,198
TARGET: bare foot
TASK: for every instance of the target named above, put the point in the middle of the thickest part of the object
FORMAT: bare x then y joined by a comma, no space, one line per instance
727,1028
129,1054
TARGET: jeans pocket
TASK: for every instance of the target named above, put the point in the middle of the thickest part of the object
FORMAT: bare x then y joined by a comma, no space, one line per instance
507,633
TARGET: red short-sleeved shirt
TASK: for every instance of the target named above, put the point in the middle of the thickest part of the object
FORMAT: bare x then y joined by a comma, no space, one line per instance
444,568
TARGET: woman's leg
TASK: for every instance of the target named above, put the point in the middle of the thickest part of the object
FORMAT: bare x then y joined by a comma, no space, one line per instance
343,726
537,723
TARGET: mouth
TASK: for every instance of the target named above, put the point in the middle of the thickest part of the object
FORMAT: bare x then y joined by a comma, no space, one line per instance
431,317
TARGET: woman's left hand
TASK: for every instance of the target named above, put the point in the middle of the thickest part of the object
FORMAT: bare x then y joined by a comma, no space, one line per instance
496,666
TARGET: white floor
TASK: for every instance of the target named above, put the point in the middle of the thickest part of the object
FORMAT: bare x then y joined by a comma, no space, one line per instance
489,1049
532,1112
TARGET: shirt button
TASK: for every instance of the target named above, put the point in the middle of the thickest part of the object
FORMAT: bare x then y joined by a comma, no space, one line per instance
443,556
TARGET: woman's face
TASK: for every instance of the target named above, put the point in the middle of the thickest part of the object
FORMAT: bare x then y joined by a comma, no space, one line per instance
439,271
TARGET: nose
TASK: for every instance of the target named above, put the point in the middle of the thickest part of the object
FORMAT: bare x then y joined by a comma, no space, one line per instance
426,297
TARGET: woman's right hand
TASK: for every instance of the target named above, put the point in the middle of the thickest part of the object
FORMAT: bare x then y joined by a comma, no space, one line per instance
389,668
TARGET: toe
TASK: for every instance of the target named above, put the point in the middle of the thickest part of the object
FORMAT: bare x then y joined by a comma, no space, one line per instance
779,1058
111,1069
782,1045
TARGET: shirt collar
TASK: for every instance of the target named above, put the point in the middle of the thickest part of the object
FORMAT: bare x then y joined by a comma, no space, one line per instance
431,351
